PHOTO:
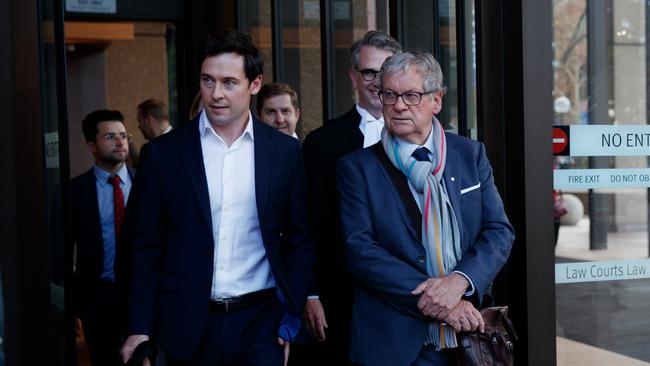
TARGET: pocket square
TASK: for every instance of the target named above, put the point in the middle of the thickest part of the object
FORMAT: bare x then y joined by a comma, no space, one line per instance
468,189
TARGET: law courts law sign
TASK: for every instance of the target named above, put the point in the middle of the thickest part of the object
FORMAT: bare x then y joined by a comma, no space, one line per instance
91,6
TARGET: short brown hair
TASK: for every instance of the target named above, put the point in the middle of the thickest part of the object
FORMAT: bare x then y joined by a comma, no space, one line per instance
273,90
155,108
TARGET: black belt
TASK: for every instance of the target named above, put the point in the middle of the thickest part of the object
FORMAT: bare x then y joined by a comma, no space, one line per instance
240,302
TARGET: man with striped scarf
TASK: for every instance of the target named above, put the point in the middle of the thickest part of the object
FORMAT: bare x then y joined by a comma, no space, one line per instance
425,228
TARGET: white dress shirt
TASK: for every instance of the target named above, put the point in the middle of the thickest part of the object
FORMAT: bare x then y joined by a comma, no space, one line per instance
240,262
406,149
370,127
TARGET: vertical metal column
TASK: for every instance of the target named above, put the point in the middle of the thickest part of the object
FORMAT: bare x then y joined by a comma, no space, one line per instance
599,70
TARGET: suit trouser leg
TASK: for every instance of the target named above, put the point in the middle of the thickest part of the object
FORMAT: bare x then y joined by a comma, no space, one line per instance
430,357
102,322
243,337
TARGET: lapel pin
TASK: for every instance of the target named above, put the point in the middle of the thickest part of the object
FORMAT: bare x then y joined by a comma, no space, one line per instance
453,179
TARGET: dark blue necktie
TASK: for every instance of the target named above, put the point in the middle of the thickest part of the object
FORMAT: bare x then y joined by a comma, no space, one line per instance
421,154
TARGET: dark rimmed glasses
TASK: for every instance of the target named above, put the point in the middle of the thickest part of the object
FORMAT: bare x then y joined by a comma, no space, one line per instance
409,98
368,74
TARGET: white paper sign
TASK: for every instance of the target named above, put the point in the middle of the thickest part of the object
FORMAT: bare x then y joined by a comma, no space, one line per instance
602,271
601,178
51,150
91,6
610,140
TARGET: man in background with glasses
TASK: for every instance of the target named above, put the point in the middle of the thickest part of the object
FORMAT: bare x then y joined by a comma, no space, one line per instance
327,314
425,229
98,203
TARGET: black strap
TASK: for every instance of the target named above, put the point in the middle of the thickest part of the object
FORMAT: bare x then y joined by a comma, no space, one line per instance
147,349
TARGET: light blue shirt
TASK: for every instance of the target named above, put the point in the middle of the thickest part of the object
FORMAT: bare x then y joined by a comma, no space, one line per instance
106,213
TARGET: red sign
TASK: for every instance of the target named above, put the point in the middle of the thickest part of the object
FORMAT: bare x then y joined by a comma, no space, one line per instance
560,140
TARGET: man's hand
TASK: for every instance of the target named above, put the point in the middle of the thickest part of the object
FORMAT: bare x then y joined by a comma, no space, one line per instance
314,316
130,345
464,317
440,295
287,346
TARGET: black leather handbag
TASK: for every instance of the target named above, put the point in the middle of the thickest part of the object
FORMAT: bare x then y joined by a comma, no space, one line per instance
495,347
147,349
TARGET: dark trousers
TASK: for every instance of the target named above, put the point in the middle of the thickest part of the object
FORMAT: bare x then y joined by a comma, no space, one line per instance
430,357
333,351
103,321
245,337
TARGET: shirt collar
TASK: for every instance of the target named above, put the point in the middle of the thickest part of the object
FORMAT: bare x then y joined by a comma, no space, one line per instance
205,126
406,148
102,175
366,116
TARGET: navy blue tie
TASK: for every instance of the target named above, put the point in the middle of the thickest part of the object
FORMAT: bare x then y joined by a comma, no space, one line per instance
421,154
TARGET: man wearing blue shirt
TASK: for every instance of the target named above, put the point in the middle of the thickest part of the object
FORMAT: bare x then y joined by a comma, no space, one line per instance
98,205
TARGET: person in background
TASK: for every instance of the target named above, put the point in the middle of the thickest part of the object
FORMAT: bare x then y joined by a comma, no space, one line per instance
153,119
278,107
328,311
98,215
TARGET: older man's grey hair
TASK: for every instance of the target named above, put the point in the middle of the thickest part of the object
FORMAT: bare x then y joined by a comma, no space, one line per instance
425,63
373,38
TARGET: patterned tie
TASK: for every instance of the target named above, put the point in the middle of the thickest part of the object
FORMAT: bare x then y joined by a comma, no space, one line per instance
118,203
421,154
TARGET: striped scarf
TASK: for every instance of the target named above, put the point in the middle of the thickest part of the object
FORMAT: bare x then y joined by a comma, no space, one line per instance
440,232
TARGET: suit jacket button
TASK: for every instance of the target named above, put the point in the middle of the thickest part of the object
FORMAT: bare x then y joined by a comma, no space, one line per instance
421,259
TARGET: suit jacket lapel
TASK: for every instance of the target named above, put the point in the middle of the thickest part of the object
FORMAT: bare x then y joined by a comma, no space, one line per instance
451,176
264,156
409,210
355,139
92,208
192,157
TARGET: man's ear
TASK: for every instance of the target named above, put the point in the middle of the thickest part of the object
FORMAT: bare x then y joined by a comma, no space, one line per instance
256,85
297,114
437,102
353,79
92,146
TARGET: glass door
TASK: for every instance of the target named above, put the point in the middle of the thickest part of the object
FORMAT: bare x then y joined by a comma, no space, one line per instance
601,140
60,330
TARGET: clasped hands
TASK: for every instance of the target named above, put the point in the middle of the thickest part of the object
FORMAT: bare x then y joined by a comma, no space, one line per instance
440,298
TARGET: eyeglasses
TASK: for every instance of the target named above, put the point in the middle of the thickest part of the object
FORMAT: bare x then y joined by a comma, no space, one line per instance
368,74
112,136
409,98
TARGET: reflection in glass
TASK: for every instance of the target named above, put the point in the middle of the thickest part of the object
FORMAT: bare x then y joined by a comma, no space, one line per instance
349,21
255,19
449,63
300,56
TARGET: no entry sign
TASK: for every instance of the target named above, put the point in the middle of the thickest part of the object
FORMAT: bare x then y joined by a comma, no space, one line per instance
561,140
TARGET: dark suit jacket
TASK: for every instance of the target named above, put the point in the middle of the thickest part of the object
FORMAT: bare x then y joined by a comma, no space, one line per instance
173,241
382,226
322,149
87,235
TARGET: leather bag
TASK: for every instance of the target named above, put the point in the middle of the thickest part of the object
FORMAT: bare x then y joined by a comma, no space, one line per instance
495,347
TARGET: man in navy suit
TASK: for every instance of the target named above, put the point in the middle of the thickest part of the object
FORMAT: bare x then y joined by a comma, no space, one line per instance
221,246
424,225
98,214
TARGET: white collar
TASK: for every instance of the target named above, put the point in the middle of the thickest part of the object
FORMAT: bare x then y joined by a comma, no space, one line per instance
366,116
205,126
